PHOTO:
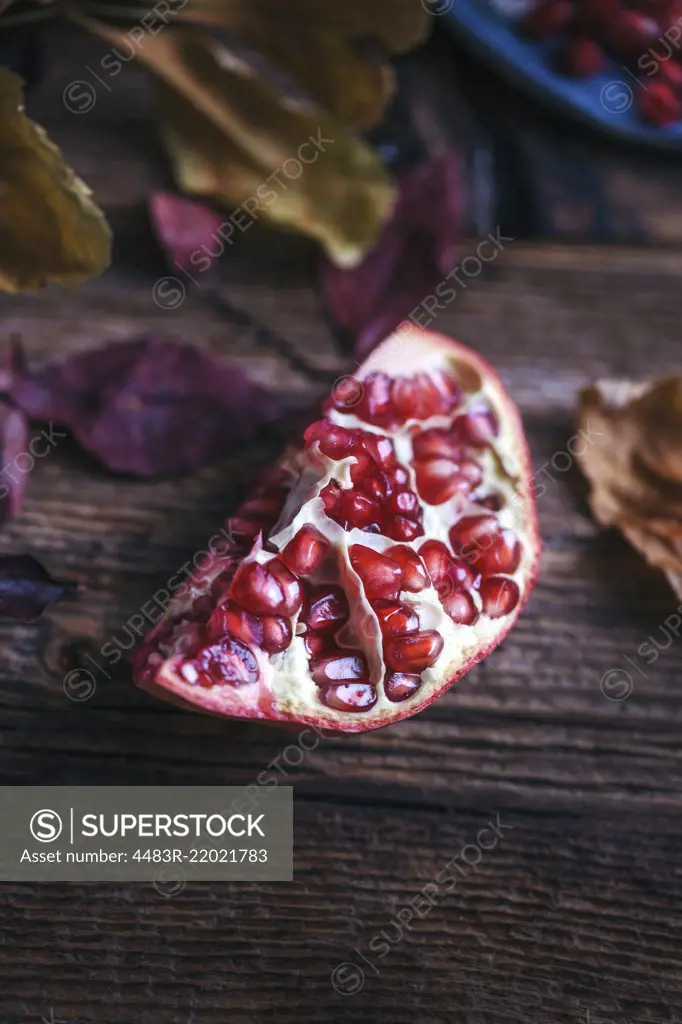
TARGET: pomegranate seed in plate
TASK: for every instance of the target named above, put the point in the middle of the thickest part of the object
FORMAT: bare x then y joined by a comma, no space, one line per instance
305,551
499,595
349,696
413,653
659,104
548,18
380,575
581,57
399,686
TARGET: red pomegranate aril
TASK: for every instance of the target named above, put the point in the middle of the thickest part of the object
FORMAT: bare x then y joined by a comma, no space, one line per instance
232,619
343,667
376,485
319,645
375,405
330,496
242,532
581,57
399,686
631,33
416,398
327,609
438,480
499,596
358,509
481,542
399,477
335,442
395,619
404,503
404,529
432,444
347,394
447,573
228,662
349,697
267,589
415,577
413,653
477,427
277,633
292,592
671,72
361,466
381,576
380,449
305,551
659,104
459,604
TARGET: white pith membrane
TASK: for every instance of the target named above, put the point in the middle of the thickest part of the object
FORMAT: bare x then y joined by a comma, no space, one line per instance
285,690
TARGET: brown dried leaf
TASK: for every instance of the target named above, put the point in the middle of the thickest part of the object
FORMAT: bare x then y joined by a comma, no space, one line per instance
232,138
633,460
50,230
333,51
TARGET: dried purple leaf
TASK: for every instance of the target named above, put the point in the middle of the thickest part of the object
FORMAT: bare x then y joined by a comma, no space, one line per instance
150,406
415,251
182,227
26,588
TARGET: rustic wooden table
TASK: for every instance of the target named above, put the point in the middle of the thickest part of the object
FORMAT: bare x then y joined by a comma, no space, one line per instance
574,915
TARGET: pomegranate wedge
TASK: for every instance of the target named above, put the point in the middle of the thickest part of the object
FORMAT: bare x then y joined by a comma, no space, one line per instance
376,563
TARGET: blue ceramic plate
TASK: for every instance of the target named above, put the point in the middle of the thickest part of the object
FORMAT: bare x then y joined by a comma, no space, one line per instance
606,100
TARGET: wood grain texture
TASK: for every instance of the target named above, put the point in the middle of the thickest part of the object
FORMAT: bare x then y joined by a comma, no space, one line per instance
574,915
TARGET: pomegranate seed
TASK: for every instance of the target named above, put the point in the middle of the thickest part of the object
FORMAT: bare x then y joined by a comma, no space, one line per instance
305,551
477,427
459,604
375,404
232,619
447,574
362,466
229,662
448,389
336,442
327,610
581,57
671,72
548,18
267,589
358,509
481,542
631,33
277,633
405,503
399,686
499,596
413,653
222,582
659,104
416,397
402,528
347,393
414,573
318,645
439,479
395,619
381,450
349,697
346,666
434,443
330,496
381,576
399,477
376,485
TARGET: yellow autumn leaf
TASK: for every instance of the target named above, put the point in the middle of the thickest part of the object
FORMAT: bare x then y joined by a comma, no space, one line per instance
50,229
234,139
335,51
